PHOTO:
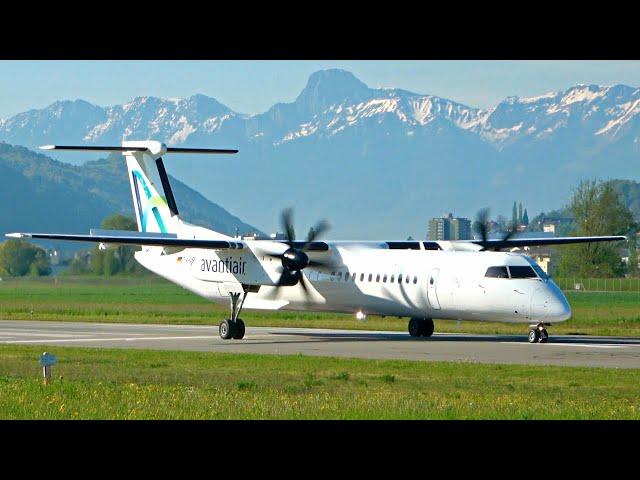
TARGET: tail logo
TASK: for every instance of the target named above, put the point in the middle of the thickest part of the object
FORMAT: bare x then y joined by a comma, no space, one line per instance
152,205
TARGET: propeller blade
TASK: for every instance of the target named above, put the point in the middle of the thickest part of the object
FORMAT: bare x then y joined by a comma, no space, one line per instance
286,221
303,283
318,230
512,231
482,224
323,263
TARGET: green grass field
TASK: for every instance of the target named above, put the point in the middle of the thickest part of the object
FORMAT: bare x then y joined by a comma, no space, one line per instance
150,299
141,384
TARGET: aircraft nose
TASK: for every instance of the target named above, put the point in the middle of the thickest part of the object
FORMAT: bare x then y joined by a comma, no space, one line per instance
549,304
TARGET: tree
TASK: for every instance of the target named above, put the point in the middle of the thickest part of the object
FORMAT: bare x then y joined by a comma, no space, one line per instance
19,258
520,217
525,218
119,259
514,214
597,210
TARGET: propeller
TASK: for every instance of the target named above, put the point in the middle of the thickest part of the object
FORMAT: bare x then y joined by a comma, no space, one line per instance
294,259
481,225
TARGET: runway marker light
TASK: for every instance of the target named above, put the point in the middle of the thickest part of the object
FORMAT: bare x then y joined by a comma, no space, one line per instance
47,360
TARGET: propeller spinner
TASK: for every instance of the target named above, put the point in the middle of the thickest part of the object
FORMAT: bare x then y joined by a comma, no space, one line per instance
294,259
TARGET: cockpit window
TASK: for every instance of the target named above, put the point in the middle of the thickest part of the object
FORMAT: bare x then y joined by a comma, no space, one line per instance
522,272
541,273
497,272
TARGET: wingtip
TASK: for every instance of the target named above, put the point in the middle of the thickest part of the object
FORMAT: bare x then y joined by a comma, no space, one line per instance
16,235
47,147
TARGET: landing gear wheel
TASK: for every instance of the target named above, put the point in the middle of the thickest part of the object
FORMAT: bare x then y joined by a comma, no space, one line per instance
534,336
415,327
239,330
427,327
543,336
226,330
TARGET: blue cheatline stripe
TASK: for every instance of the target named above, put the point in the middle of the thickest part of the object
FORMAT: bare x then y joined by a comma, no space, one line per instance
156,212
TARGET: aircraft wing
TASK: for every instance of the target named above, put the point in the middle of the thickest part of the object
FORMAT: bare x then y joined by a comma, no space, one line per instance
133,239
119,237
532,242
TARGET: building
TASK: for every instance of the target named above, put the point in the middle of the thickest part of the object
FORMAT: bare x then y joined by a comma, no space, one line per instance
555,225
449,227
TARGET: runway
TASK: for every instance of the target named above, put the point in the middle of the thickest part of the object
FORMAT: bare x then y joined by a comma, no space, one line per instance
564,350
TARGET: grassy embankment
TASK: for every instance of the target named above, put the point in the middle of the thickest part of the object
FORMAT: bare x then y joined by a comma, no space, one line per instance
145,384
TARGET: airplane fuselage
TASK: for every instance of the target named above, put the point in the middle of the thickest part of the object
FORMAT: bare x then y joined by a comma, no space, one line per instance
402,283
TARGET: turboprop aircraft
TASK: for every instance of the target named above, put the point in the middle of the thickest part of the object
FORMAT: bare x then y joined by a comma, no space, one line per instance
419,280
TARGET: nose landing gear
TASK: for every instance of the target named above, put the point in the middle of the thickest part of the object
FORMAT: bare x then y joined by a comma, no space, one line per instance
538,333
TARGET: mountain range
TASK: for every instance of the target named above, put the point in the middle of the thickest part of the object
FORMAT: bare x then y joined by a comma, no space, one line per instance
376,162
39,194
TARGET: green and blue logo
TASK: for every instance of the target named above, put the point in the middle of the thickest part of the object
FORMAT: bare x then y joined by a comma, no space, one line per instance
152,204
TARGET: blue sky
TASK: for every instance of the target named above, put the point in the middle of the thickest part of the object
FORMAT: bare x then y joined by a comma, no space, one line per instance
253,86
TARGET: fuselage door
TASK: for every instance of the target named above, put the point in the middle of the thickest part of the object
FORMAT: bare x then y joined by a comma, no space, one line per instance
432,284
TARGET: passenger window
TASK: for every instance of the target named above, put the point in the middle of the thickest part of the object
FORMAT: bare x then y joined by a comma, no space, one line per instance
415,279
333,274
406,280
377,277
392,278
339,276
384,278
353,277
522,272
346,276
400,278
370,276
361,277
497,272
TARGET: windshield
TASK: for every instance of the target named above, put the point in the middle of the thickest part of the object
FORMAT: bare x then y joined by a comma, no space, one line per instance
522,272
541,273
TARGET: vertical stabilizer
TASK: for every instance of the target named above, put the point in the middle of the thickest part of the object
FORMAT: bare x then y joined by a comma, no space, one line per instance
153,201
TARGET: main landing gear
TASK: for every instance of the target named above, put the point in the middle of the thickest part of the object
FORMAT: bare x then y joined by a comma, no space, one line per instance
538,333
421,327
234,327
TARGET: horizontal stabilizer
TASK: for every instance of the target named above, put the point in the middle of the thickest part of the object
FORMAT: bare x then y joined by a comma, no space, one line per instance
94,148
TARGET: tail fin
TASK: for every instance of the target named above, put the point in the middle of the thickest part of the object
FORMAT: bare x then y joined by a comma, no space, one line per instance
147,176
155,212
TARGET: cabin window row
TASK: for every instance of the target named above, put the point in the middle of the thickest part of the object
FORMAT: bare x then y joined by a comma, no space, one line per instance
371,277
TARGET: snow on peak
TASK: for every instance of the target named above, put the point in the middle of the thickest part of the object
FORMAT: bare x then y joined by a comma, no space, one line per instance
584,93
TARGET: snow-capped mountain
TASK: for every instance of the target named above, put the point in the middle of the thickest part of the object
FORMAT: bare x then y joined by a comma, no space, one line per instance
394,156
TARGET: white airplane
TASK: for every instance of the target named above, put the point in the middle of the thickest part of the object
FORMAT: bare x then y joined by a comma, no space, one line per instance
421,280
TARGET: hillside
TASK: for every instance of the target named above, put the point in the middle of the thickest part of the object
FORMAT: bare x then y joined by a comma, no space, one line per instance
40,194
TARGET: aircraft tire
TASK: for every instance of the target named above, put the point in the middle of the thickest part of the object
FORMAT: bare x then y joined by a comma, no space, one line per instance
534,336
427,327
415,327
543,336
239,330
226,330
